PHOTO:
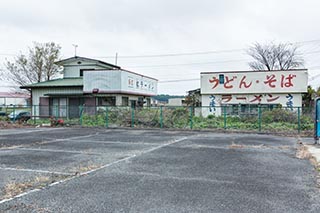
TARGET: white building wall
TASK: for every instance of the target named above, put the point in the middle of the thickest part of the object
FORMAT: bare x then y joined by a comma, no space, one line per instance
13,101
175,101
40,92
37,93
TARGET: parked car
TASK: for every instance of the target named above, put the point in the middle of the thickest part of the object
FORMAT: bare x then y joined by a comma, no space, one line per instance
19,115
3,114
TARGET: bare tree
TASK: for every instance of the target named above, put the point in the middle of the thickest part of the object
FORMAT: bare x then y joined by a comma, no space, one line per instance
270,56
36,67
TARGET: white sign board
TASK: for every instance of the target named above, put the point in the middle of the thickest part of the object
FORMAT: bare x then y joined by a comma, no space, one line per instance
132,82
118,81
289,81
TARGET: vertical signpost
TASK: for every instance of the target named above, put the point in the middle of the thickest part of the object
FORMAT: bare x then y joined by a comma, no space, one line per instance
317,122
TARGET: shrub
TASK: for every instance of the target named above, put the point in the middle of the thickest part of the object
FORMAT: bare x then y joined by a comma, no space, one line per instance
279,115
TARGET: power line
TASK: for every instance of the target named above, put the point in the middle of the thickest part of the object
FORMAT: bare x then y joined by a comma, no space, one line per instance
175,54
198,63
195,53
181,54
180,80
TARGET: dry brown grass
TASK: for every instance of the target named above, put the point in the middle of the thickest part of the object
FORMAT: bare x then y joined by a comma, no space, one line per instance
303,153
242,146
14,188
85,168
236,146
284,147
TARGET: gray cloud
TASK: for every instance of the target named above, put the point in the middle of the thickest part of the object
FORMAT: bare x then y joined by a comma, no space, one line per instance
104,27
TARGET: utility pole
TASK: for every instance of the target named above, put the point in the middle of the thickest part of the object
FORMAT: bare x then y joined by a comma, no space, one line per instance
75,49
116,59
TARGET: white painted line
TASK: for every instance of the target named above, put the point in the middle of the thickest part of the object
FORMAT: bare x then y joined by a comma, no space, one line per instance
57,150
102,167
50,141
35,170
22,131
115,142
47,142
133,156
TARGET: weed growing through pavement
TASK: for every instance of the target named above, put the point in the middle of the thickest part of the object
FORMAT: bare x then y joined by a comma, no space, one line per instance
85,168
303,153
15,188
241,146
236,146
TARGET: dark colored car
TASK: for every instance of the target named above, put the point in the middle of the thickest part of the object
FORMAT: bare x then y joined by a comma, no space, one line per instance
19,115
3,113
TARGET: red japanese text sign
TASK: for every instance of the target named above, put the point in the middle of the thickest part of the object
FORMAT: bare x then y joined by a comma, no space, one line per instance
289,81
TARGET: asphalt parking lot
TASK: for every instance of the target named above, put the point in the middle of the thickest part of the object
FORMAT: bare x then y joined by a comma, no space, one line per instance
107,170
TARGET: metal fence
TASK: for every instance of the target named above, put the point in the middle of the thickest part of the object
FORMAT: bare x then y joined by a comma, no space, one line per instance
258,118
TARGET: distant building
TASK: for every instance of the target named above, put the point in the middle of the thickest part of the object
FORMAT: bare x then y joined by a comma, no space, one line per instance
194,98
176,102
155,102
90,83
242,92
14,99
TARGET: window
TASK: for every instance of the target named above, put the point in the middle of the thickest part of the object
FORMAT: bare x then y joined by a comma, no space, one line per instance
140,101
107,101
58,107
125,101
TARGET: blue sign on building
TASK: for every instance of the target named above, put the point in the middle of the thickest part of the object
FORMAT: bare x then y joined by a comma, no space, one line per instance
317,121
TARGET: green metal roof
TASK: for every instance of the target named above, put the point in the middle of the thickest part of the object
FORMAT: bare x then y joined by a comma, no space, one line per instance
63,82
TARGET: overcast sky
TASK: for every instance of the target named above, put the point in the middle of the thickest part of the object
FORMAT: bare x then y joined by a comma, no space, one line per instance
102,28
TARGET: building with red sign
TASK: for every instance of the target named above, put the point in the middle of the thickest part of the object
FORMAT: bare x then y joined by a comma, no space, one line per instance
246,90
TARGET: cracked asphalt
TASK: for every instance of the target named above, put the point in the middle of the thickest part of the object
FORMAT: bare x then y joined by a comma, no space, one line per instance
121,170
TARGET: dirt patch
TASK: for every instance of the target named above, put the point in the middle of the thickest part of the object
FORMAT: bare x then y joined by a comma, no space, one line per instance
303,153
10,125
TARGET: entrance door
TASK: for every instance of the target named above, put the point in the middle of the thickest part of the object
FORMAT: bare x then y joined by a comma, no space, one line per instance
74,104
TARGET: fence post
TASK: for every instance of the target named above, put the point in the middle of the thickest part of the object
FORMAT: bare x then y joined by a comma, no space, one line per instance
14,113
56,110
225,117
299,121
191,116
161,118
81,114
259,117
107,118
34,114
132,117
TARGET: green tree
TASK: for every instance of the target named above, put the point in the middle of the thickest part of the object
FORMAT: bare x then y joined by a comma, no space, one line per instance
38,65
308,97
